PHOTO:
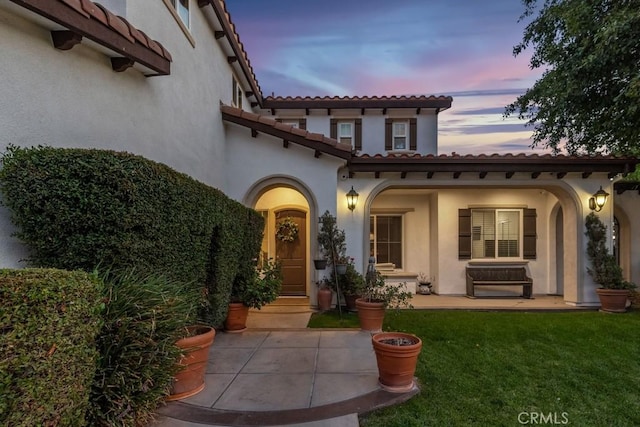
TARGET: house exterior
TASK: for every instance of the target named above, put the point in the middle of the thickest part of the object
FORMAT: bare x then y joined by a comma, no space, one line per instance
170,80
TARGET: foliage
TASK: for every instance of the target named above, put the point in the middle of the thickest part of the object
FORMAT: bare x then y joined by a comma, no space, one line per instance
482,368
287,230
589,94
351,283
263,287
331,240
49,320
145,315
604,270
393,296
79,208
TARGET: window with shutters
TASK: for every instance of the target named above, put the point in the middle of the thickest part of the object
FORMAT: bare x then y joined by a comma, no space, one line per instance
401,134
496,233
347,132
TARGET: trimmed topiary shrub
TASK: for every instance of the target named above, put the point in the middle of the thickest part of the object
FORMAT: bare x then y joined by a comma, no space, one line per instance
49,320
144,317
82,208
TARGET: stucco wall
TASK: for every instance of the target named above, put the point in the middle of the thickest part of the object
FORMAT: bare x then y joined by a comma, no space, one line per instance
74,99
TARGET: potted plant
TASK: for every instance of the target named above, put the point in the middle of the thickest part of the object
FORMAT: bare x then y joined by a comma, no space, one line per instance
351,284
189,380
377,297
424,284
614,291
325,295
396,356
263,287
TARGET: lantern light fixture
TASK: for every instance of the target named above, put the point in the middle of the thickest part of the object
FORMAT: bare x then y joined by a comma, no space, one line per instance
352,199
596,203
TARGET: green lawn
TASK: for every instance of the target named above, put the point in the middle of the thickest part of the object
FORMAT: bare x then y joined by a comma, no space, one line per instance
513,368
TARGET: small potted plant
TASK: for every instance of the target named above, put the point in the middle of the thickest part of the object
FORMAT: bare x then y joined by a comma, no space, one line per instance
424,284
260,289
377,297
351,284
614,291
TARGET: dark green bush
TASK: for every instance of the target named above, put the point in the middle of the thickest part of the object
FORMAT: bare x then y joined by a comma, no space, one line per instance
145,315
49,320
80,208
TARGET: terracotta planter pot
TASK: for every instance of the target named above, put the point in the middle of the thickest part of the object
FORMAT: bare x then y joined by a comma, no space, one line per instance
613,300
397,355
325,296
236,320
370,314
190,379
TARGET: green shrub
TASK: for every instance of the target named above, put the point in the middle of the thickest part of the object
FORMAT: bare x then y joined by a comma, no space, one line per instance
49,320
145,315
80,208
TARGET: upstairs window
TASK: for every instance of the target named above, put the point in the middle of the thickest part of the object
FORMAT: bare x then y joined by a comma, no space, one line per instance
182,7
347,132
237,94
401,134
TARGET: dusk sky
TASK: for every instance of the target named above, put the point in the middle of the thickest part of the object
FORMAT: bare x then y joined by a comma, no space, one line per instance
458,48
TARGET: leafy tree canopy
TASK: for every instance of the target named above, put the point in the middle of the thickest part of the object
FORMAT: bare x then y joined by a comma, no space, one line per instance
589,94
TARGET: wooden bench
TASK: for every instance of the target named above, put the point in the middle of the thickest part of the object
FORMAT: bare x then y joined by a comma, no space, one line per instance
498,276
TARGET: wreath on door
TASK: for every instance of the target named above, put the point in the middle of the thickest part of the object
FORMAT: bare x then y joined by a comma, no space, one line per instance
287,230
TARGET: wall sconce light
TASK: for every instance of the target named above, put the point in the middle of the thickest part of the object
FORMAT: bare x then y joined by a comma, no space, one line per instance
598,200
352,199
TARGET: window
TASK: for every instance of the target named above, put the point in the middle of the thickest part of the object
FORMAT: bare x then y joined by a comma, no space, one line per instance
237,94
386,239
347,132
400,135
182,7
495,233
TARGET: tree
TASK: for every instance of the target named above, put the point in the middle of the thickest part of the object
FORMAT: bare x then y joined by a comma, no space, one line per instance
588,98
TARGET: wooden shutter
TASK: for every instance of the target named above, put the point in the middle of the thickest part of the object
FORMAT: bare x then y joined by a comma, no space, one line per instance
333,129
464,233
302,124
529,236
413,134
358,135
388,134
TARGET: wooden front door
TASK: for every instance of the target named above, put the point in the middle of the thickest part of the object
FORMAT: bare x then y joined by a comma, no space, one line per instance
292,255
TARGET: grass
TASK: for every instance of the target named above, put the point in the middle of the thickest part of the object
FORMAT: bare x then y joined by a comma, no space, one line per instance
332,319
515,368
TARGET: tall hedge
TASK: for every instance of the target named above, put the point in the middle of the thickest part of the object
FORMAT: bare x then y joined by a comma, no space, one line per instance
49,321
80,208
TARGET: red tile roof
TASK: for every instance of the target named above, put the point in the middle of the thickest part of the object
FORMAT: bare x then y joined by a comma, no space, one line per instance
95,22
335,102
264,124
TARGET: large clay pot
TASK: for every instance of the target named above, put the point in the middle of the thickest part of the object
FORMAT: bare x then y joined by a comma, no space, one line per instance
190,379
613,300
370,314
397,356
236,320
325,296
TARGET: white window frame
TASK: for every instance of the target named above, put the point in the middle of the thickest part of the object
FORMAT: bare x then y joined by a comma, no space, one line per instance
183,12
479,244
346,137
237,94
373,244
404,136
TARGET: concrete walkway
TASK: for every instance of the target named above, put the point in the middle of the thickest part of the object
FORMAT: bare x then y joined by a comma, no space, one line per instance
304,377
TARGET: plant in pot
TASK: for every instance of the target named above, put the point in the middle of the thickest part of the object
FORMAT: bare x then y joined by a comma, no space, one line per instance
325,294
261,288
424,284
351,284
332,242
614,291
377,297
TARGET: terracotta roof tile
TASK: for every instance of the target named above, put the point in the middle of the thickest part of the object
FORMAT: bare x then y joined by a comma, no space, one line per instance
77,6
116,24
359,98
337,102
265,124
